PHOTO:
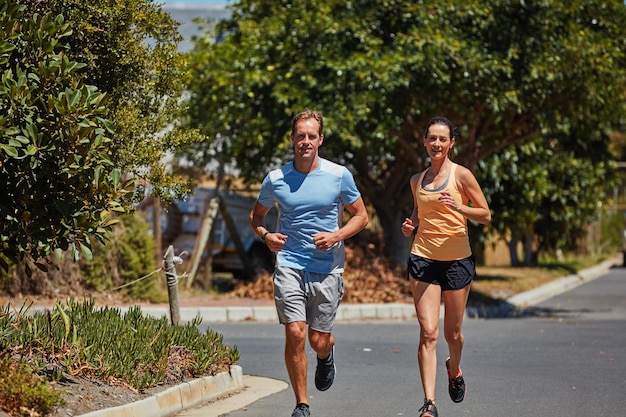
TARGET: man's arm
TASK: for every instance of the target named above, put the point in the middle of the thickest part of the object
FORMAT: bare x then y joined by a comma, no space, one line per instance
274,241
356,223
257,219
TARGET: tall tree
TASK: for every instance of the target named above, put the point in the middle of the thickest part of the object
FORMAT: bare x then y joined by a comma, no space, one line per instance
546,193
130,49
89,96
60,184
505,72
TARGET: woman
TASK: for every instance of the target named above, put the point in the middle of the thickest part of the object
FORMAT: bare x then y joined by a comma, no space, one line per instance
441,261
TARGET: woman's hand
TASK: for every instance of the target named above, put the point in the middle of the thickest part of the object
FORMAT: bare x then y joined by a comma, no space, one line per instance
408,227
447,199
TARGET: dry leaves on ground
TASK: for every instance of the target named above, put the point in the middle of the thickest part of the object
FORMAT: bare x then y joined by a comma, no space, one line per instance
368,278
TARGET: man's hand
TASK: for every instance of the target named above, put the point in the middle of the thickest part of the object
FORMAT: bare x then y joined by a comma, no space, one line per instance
324,240
275,241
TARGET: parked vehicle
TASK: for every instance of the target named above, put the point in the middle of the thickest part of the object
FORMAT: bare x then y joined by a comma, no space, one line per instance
182,227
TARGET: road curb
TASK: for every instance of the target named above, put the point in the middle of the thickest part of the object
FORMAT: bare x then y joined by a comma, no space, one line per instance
396,311
346,312
388,311
516,304
178,398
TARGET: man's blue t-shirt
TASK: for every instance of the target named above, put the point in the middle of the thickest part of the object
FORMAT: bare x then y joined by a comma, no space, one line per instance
307,204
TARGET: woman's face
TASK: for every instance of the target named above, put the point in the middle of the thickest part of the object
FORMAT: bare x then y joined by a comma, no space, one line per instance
438,141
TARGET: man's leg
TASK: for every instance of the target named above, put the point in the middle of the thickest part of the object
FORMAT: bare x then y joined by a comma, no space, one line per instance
323,344
326,292
295,359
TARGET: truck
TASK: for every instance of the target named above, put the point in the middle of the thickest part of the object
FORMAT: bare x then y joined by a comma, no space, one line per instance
222,218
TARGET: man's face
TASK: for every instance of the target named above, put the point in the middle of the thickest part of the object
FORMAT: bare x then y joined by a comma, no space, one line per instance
306,138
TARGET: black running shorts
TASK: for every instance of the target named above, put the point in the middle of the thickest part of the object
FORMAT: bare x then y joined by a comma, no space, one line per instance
450,275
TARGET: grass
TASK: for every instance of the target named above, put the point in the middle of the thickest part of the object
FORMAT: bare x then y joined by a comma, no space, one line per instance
493,284
101,344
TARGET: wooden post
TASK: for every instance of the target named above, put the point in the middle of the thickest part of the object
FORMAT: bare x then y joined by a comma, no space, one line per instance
172,285
236,238
203,239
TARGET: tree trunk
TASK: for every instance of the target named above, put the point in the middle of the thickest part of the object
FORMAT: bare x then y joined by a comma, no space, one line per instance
157,228
512,244
396,246
530,256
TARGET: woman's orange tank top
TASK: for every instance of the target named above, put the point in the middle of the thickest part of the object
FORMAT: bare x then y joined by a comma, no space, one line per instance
442,232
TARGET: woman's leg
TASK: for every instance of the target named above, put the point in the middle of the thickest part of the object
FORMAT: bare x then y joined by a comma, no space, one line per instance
455,302
427,298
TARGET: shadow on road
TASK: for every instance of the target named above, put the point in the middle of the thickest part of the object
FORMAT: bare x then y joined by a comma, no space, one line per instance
509,311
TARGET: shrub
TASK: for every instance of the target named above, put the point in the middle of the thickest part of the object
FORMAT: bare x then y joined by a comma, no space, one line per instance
106,345
22,391
126,257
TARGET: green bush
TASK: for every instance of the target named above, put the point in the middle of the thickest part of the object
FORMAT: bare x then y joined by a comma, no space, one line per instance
126,257
105,345
22,391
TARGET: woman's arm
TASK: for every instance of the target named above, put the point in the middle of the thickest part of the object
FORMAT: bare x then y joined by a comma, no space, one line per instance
479,211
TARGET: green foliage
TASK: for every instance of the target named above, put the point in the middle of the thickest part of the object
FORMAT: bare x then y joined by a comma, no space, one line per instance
127,264
69,157
549,189
129,49
61,185
22,391
507,73
612,227
106,345
126,257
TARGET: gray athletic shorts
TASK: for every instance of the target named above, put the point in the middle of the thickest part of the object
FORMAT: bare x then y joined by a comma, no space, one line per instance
307,296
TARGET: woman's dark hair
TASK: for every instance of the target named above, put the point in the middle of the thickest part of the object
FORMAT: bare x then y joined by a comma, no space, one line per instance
439,120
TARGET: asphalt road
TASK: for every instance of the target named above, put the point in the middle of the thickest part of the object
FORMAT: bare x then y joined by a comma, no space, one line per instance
565,357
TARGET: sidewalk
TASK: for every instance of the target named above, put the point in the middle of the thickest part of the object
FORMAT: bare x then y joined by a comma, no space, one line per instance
396,311
235,310
199,397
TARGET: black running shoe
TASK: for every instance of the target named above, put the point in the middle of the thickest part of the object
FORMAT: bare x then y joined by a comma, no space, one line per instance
456,386
325,371
428,409
301,410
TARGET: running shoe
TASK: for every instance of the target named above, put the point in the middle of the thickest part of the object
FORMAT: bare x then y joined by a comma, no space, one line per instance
301,410
325,371
456,386
428,409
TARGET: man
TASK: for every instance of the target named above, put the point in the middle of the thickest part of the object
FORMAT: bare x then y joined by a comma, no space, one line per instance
310,193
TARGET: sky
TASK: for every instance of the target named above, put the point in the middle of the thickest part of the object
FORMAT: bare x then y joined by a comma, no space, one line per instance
185,11
195,2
